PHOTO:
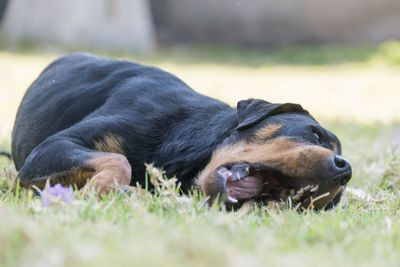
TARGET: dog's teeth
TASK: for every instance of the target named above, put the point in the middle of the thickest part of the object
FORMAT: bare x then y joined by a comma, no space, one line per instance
232,199
225,173
241,171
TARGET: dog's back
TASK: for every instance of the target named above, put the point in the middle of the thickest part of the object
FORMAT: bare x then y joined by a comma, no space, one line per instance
150,113
67,91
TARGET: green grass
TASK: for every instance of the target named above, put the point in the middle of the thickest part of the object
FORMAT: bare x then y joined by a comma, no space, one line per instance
354,94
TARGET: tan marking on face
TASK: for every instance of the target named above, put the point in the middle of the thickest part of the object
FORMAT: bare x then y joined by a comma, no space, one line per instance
335,147
267,131
111,171
291,158
109,143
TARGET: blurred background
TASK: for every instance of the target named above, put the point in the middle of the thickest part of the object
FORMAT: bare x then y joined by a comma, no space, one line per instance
339,59
141,25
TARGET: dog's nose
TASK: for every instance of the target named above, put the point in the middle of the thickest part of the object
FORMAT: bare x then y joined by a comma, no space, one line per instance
340,163
340,169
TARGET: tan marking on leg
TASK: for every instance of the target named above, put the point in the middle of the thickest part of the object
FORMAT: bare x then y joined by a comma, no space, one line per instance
76,177
267,131
111,171
105,172
109,143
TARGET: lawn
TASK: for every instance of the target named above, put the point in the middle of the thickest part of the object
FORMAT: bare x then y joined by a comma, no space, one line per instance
354,91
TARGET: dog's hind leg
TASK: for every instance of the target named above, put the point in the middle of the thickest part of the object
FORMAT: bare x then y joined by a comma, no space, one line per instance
74,157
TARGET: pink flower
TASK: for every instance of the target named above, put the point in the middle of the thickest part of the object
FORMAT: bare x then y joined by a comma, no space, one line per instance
51,195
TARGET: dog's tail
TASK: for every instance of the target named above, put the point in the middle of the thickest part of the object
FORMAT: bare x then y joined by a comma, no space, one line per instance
6,154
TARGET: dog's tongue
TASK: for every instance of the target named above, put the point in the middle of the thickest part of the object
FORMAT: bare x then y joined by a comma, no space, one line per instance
244,188
240,185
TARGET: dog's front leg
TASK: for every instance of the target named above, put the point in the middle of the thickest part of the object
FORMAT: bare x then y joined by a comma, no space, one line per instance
65,158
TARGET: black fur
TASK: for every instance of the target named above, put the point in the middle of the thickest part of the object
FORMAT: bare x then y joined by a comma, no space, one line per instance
80,98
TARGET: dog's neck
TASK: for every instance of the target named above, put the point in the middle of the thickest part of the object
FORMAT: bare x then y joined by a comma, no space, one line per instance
193,146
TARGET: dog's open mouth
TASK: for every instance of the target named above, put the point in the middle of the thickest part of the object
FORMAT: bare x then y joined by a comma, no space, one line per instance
262,183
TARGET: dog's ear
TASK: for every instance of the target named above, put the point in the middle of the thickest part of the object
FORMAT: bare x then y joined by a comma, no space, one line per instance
252,111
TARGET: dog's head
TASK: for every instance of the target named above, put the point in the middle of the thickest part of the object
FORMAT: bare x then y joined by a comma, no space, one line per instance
277,152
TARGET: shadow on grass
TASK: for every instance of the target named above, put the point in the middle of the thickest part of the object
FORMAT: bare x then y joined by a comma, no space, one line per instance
257,57
312,55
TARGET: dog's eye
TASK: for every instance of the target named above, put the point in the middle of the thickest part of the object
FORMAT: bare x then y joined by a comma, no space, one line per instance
318,136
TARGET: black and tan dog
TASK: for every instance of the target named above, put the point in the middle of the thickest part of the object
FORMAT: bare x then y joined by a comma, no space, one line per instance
95,122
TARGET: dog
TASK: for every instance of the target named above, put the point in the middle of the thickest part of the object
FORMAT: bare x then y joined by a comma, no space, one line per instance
94,122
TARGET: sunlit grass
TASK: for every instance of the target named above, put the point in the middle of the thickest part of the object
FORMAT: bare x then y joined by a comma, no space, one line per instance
365,86
161,230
